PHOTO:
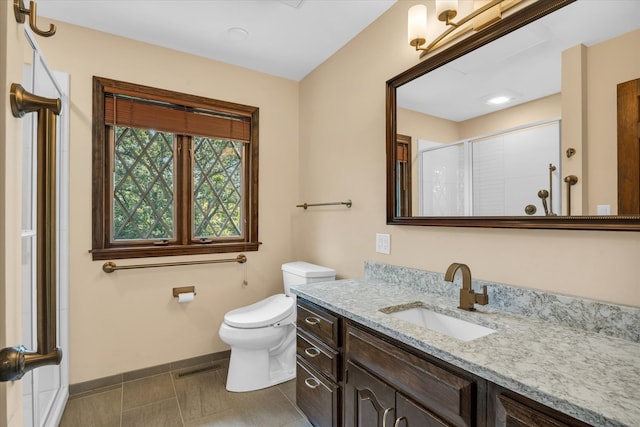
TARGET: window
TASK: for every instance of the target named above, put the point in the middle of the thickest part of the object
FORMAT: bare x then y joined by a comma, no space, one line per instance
173,174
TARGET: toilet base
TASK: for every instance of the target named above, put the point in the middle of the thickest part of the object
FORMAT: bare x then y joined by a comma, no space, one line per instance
260,372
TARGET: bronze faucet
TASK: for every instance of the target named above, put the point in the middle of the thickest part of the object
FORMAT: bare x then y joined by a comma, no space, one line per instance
467,295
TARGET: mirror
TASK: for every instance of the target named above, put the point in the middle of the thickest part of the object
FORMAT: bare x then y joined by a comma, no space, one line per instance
551,156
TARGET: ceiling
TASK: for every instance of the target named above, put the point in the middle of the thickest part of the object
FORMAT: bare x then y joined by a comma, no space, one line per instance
285,38
525,64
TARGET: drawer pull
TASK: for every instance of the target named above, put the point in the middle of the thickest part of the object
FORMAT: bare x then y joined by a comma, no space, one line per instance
312,352
312,320
311,382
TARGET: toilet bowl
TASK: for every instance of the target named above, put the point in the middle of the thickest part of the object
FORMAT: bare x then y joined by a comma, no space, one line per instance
262,336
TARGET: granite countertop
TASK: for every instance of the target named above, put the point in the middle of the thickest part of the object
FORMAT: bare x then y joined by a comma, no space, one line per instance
590,376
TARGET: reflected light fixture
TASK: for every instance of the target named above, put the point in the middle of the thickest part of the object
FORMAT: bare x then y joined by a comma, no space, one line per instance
498,100
446,10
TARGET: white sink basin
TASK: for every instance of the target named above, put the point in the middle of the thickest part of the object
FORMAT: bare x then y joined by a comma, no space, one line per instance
455,328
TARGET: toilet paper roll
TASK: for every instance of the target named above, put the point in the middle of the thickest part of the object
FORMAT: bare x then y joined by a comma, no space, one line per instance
185,297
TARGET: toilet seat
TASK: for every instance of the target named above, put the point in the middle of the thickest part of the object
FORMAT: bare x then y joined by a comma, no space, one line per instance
262,313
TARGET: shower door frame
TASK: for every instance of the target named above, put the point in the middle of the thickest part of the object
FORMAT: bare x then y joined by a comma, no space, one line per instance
40,410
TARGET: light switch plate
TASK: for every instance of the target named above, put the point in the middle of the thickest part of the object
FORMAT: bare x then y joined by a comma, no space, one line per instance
383,243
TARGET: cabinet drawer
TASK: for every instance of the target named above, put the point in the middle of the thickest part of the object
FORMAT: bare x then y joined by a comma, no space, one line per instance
507,408
451,397
318,355
319,322
318,398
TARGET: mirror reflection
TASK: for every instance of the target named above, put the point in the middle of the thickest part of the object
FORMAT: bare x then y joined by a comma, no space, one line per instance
533,124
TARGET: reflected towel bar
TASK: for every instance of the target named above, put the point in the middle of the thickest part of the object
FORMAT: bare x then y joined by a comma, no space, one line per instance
307,205
110,266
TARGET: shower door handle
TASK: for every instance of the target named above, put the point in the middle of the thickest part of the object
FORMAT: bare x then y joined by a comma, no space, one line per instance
17,361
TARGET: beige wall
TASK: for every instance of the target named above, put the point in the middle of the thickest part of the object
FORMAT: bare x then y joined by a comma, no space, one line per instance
330,130
342,154
128,319
541,109
11,47
608,64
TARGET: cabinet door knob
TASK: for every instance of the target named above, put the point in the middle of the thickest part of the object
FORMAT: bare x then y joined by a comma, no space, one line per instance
311,382
312,320
312,352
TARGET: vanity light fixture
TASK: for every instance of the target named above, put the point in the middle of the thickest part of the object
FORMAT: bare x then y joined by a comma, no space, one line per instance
446,11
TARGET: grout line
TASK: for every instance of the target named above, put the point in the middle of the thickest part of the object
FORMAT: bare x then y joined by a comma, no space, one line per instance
121,402
175,392
293,403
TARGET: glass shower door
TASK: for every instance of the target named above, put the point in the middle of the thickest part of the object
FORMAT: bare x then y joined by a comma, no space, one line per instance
45,390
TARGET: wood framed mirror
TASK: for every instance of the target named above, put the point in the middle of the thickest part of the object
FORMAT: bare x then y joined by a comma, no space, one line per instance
585,107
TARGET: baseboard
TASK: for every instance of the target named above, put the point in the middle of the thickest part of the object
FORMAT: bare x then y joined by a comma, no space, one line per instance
117,380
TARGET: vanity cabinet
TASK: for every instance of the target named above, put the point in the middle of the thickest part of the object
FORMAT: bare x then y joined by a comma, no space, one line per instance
511,409
350,375
318,364
386,385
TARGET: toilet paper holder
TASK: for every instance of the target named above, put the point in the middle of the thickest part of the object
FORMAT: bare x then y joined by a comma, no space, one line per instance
183,290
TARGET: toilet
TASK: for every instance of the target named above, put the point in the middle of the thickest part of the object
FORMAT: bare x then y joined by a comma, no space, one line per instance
262,336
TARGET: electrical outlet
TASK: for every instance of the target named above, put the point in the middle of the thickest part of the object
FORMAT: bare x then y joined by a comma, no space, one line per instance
383,243
603,209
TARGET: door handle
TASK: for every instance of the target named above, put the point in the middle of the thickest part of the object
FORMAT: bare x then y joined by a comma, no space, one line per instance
367,394
17,361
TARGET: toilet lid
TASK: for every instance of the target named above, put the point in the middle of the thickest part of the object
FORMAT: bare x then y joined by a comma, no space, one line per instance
262,313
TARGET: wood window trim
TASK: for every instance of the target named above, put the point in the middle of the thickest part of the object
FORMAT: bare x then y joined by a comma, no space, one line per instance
102,248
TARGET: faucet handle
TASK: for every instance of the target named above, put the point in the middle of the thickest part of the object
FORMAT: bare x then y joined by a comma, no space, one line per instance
483,298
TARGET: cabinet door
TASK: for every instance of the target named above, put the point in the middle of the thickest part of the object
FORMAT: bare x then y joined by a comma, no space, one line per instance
452,396
410,414
368,401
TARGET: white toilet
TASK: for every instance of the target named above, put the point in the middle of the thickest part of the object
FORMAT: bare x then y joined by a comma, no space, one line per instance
262,336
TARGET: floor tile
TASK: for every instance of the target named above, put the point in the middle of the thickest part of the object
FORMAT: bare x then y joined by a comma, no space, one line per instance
289,390
302,422
97,410
159,414
203,394
194,397
147,390
266,408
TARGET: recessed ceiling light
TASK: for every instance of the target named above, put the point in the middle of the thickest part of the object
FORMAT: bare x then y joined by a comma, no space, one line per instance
499,100
237,34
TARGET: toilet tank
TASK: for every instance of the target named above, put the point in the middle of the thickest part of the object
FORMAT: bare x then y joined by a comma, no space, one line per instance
299,272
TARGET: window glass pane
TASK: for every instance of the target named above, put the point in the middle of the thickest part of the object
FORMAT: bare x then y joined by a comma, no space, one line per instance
217,188
143,187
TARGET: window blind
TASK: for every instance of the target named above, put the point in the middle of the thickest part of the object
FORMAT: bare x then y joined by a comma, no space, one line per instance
165,117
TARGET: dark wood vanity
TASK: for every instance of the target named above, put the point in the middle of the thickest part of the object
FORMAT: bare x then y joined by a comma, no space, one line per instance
349,375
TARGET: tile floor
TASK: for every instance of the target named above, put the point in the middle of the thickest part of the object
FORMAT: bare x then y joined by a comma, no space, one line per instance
194,399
